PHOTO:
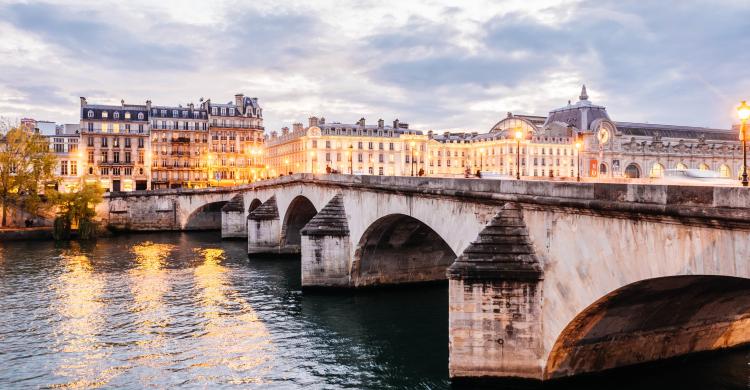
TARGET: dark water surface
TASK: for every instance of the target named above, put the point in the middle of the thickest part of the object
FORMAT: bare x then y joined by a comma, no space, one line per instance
170,309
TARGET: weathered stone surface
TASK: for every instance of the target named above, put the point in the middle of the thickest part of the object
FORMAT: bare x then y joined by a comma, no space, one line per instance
236,204
502,251
330,221
267,210
233,221
653,320
495,303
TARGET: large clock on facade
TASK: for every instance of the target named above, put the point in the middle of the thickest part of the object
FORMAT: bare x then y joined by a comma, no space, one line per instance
603,135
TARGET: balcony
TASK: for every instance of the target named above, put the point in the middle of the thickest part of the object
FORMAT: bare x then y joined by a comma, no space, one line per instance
180,140
178,153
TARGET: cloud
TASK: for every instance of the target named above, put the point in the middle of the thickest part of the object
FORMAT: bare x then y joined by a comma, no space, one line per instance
431,63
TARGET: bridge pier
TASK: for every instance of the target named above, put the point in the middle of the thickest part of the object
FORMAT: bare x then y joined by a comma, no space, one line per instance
264,229
495,304
326,247
233,223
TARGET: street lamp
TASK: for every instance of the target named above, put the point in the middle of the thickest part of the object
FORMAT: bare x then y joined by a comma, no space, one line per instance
351,159
519,134
578,160
411,145
743,111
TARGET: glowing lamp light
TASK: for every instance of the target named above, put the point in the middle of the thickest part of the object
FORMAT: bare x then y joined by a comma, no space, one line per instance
578,145
519,135
743,111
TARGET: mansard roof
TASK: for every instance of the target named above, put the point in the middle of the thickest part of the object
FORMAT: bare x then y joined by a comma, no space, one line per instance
98,109
675,131
194,113
334,125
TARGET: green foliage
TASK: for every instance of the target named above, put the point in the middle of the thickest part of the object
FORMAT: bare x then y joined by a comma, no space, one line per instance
26,163
78,208
61,229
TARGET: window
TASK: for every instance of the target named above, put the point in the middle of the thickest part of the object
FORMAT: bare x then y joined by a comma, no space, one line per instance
127,157
63,168
116,115
174,114
127,115
128,171
703,167
127,142
116,171
104,171
104,142
105,115
725,171
140,143
90,114
91,157
213,111
140,116
231,111
116,157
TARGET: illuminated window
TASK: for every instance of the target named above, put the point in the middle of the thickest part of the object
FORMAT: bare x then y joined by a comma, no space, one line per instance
681,166
657,170
703,167
725,171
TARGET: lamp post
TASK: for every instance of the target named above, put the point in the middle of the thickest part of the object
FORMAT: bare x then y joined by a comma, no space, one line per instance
411,146
743,111
351,159
578,160
518,154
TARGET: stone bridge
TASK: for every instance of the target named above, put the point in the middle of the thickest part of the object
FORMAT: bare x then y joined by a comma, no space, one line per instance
546,279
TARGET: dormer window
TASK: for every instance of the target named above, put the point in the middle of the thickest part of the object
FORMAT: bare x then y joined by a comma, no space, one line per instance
127,115
140,116
184,114
223,111
174,113
231,111
154,111
116,115
163,112
105,115
213,111
90,114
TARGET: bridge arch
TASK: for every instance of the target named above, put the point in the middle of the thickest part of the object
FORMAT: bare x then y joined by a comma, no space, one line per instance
300,211
399,248
654,319
205,217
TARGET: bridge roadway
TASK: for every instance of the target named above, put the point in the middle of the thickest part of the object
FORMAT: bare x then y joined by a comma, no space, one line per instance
546,279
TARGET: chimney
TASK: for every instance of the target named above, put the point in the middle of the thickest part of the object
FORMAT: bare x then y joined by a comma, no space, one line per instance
148,105
322,120
192,107
313,121
361,121
274,134
122,101
297,127
239,103
83,102
447,134
381,123
284,130
396,124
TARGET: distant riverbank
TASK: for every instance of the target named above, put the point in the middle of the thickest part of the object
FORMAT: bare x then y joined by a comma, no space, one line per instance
23,233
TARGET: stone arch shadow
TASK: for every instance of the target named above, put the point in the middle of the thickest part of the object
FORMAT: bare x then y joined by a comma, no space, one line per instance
300,211
651,320
206,217
397,249
254,204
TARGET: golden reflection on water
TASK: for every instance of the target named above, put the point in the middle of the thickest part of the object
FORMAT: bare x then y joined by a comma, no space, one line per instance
235,338
79,305
149,283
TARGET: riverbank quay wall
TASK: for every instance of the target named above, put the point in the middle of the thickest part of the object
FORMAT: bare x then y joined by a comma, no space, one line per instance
546,279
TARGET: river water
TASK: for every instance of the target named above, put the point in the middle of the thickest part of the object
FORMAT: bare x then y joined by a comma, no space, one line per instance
186,309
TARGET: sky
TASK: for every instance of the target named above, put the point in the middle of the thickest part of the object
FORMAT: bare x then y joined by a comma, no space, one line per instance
433,64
